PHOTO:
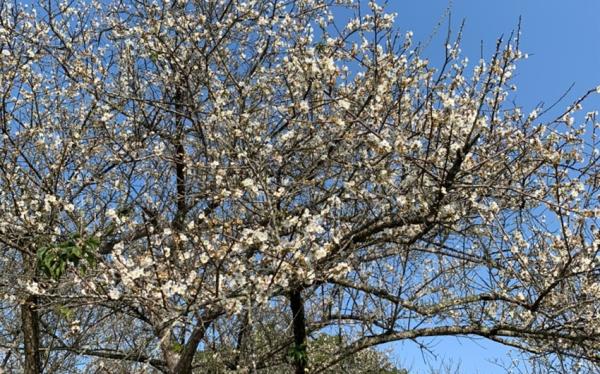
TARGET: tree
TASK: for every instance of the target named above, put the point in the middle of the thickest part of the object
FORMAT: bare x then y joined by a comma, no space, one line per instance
187,181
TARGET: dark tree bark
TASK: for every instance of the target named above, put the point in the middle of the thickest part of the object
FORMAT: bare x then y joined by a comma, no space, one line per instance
31,336
184,365
30,327
299,357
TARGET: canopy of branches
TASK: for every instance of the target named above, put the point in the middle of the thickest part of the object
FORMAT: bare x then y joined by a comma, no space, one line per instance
269,186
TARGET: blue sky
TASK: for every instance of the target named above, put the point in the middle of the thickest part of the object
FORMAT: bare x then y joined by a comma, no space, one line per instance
562,39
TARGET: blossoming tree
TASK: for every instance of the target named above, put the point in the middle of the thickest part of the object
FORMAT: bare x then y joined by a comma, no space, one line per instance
227,185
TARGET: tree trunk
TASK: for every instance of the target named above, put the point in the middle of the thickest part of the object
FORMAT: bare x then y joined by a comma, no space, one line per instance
184,365
299,355
31,336
30,323
181,363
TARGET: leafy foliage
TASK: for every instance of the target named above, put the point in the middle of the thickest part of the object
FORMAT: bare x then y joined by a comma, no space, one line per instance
298,354
77,251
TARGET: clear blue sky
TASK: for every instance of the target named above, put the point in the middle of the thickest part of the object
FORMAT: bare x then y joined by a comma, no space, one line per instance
562,39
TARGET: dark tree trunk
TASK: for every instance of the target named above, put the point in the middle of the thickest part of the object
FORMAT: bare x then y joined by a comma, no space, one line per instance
184,365
31,336
30,324
299,356
241,338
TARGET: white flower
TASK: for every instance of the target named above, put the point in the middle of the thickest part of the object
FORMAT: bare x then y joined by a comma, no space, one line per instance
136,273
448,102
159,149
598,89
111,213
304,107
329,64
114,294
75,327
5,52
320,253
589,116
146,262
340,269
33,288
314,228
379,143
291,221
353,24
119,247
533,115
344,104
261,236
287,136
385,145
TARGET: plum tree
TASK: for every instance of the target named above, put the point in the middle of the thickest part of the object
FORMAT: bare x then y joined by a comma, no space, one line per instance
242,178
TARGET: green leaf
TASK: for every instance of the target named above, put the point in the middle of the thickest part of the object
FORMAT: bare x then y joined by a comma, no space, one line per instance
65,312
93,242
177,347
297,353
53,261
76,252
